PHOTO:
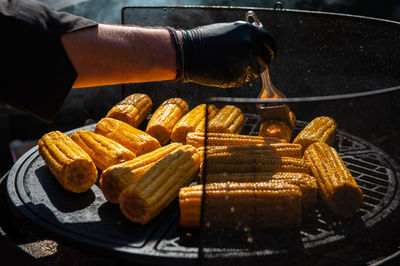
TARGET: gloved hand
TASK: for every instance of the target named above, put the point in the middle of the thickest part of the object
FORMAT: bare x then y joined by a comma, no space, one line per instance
226,54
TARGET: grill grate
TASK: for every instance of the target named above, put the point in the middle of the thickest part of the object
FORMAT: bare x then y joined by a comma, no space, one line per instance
376,173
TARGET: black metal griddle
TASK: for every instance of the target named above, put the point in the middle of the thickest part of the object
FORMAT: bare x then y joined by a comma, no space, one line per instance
89,222
366,142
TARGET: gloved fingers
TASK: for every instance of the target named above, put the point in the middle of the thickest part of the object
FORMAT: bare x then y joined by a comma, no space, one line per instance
263,58
226,54
251,76
254,68
269,43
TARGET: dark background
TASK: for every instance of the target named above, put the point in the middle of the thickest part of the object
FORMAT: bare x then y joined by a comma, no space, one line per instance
82,106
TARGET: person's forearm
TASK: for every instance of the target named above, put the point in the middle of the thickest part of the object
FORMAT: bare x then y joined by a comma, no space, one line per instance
111,54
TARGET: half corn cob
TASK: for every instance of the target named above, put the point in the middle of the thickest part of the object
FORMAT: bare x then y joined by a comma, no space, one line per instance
165,118
132,138
194,121
307,183
227,205
115,179
228,119
272,149
321,129
337,187
70,164
242,163
159,186
104,151
132,110
197,139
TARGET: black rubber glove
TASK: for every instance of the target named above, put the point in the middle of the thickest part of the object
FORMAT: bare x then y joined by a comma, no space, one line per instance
226,54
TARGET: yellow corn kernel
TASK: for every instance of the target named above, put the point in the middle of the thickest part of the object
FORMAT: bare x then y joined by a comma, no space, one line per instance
165,118
146,197
321,129
115,179
242,163
272,149
133,139
337,187
104,151
194,121
69,163
132,110
228,119
307,183
253,204
197,139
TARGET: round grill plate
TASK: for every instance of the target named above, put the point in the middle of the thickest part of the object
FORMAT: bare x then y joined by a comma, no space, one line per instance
87,220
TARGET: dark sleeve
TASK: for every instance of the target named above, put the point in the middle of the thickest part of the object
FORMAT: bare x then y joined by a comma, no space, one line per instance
36,74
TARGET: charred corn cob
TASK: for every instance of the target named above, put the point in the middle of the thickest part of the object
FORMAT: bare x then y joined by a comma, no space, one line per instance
272,149
133,139
104,151
242,163
194,121
321,129
70,164
165,118
159,186
337,187
307,183
197,139
227,205
132,110
115,179
228,119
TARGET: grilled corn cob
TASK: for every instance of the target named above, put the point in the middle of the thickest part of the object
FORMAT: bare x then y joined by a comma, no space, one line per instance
131,138
307,183
228,119
197,139
159,186
242,163
132,110
165,118
227,205
103,151
337,187
70,164
321,129
194,121
272,149
115,179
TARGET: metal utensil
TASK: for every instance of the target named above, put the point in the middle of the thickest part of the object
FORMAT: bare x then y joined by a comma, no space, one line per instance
273,111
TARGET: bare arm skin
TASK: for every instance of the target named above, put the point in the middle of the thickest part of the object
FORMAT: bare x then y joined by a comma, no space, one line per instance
112,54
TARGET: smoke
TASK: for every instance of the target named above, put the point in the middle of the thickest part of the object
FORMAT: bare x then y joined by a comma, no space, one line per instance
325,5
109,11
61,4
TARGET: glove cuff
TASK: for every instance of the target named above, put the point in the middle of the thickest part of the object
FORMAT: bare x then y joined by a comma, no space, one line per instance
178,53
